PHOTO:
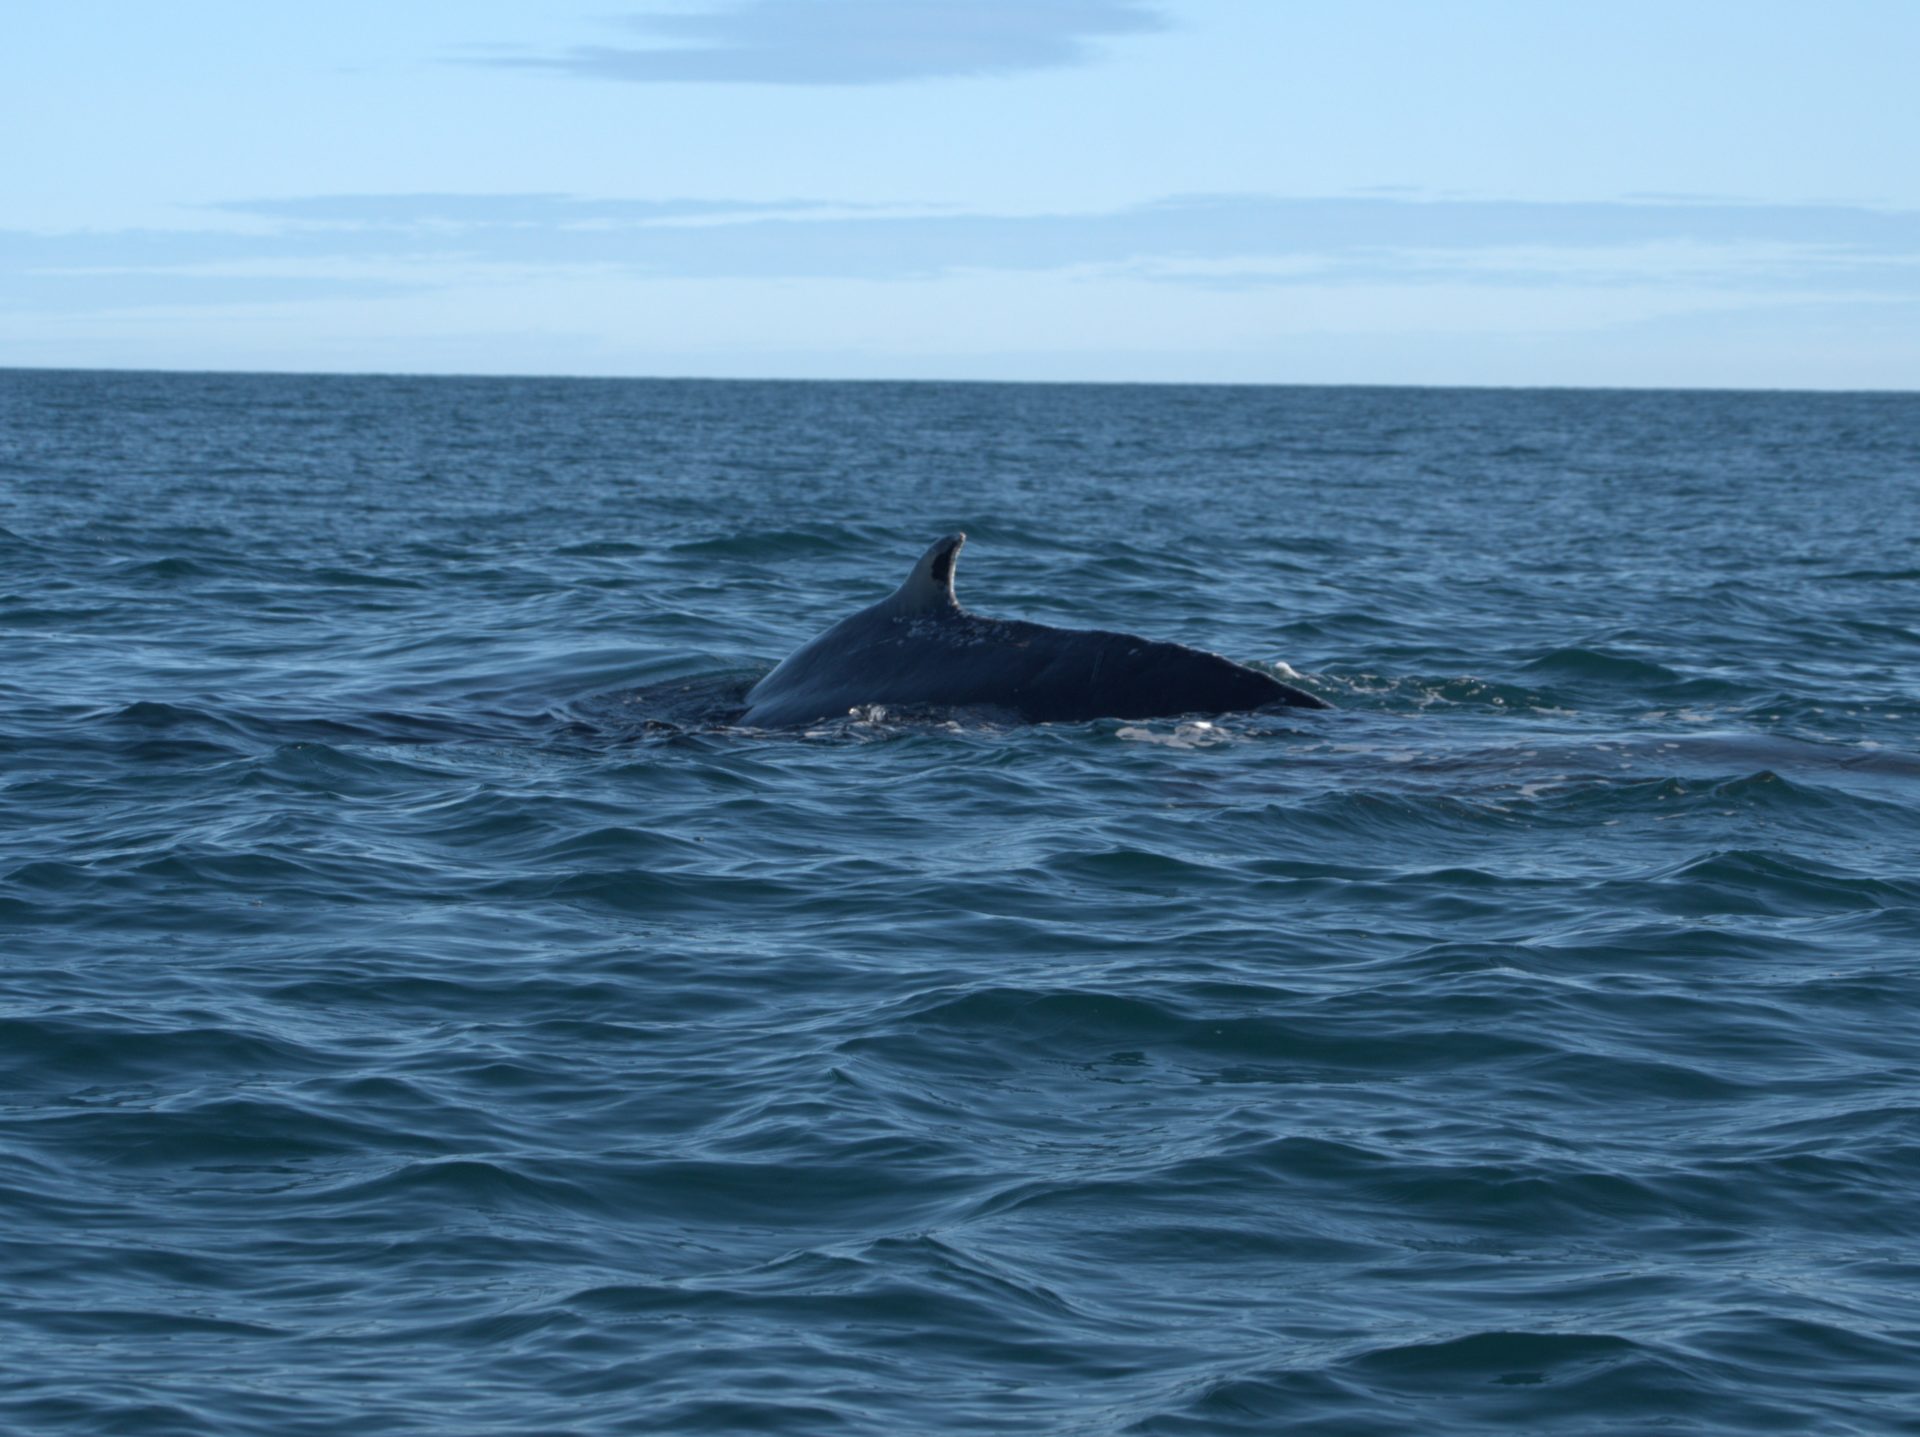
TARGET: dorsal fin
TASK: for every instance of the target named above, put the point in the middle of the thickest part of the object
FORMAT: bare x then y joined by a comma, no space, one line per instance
929,588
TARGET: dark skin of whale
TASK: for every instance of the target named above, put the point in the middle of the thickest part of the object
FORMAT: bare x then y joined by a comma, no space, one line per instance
919,648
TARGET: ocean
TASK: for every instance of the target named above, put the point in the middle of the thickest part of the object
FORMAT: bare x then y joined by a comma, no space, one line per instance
422,1012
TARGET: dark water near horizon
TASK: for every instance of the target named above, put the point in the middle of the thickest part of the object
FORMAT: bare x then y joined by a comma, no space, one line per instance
417,1015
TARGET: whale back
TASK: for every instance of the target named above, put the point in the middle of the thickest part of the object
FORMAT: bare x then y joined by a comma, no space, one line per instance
919,648
809,682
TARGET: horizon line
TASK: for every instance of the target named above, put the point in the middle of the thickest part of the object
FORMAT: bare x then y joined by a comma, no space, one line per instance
190,371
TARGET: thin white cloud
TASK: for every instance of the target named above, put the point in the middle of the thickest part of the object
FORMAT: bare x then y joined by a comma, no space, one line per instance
1223,286
847,42
1204,240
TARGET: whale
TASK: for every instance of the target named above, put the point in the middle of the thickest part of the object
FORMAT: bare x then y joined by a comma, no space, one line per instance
919,649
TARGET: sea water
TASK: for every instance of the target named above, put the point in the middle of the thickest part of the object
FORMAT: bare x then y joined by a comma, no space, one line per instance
422,1012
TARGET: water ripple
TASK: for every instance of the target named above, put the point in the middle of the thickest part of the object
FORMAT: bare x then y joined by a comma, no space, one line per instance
421,1010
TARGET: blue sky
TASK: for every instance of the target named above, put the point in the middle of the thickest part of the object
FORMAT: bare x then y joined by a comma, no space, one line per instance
1370,191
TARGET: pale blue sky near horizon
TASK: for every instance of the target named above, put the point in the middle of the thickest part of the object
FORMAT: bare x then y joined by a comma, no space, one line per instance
1695,193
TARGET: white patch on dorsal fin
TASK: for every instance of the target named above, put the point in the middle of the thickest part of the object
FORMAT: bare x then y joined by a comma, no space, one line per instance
929,588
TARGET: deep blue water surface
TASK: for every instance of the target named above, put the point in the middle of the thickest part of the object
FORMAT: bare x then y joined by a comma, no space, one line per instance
418,1016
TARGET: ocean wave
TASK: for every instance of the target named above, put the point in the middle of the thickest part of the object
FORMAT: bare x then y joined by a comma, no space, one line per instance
421,1010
